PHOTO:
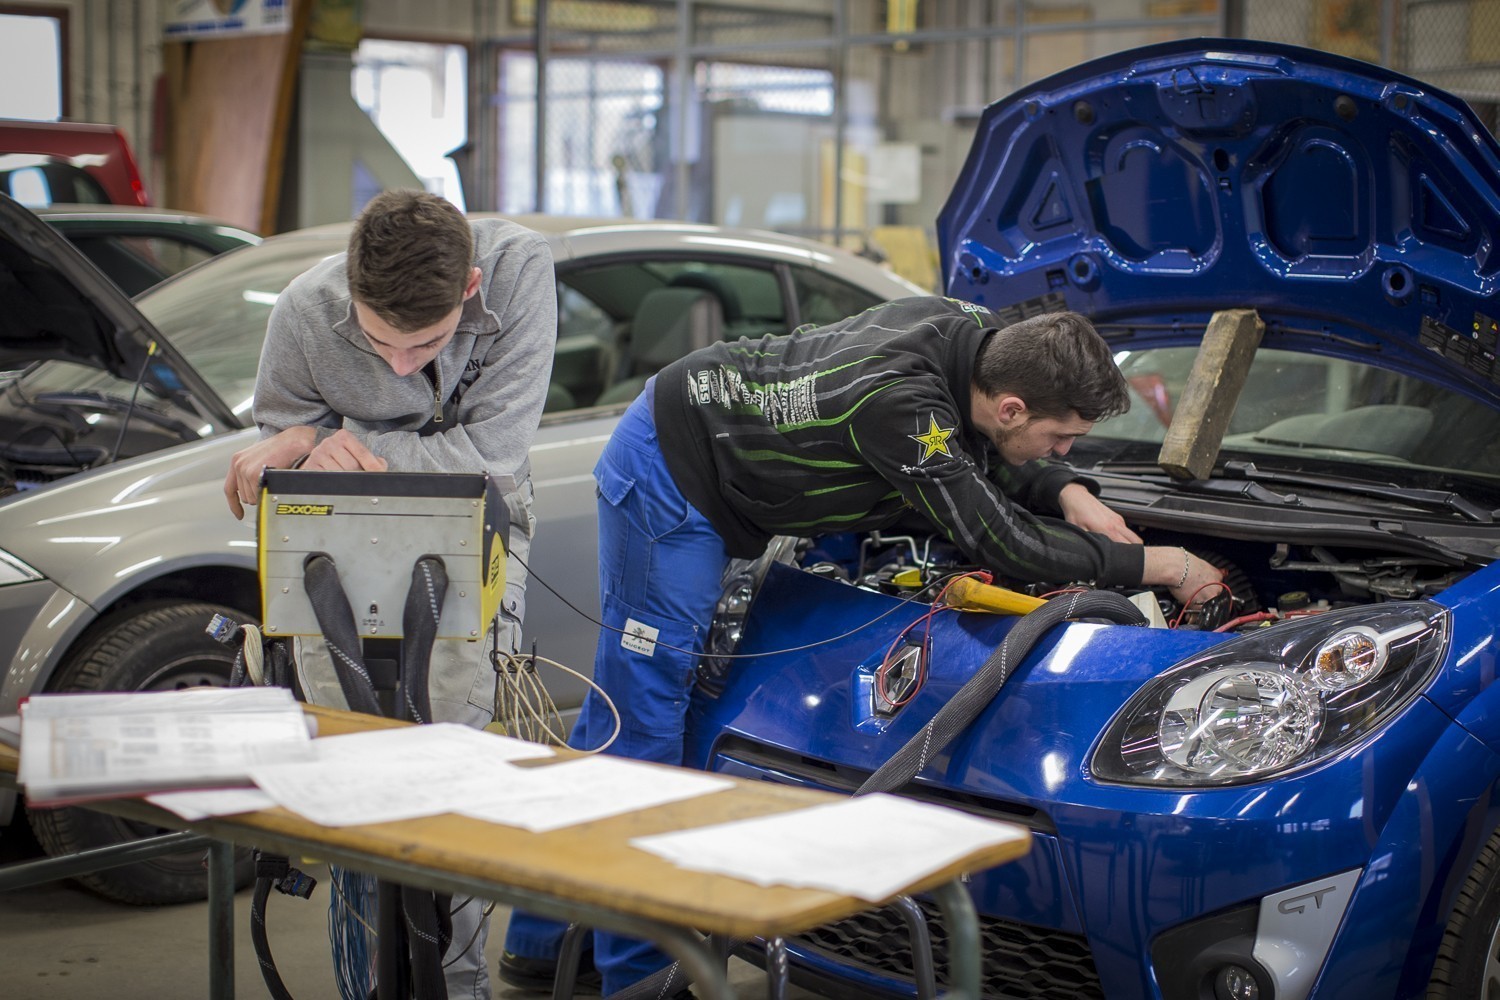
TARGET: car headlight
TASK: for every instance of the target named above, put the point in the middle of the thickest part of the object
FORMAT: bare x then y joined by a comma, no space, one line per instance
13,570
1276,699
741,582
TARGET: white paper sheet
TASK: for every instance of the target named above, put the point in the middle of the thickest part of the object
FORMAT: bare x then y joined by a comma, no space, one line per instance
204,699
212,802
391,774
870,847
437,741
351,793
580,791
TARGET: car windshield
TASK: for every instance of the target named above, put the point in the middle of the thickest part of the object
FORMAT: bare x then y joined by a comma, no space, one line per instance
216,314
1304,410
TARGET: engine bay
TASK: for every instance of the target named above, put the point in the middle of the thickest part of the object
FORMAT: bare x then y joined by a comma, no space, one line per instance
1264,582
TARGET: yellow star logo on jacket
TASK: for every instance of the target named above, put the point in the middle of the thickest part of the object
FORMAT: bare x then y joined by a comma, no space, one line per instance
934,441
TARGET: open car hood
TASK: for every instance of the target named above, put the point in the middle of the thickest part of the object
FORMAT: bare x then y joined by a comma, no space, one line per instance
56,306
1356,209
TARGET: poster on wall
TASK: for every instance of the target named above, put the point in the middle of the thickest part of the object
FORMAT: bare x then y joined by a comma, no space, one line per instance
221,18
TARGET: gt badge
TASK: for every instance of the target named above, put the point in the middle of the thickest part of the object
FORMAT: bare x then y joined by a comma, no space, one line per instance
934,441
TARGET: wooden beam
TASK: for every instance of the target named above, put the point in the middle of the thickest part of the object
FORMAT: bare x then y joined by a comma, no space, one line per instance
230,106
1213,389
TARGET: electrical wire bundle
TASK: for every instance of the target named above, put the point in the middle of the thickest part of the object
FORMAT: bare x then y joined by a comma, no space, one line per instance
523,706
351,929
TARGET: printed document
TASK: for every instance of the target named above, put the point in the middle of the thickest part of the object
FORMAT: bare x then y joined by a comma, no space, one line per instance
870,847
78,747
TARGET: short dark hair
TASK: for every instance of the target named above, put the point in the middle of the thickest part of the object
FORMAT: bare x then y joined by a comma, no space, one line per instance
1057,363
410,255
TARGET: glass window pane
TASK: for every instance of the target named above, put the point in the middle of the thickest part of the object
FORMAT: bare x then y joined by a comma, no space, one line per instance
416,93
822,299
31,67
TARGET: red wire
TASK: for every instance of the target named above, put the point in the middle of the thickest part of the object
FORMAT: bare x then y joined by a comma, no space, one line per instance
1194,596
1259,616
1065,590
926,622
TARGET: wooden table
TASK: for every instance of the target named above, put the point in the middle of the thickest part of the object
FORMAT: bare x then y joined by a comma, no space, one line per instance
587,873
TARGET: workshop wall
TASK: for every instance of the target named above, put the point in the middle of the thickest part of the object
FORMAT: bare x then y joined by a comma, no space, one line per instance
905,95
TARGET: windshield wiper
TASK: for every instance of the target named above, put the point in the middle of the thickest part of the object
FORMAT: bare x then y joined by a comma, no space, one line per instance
1437,500
128,408
1242,478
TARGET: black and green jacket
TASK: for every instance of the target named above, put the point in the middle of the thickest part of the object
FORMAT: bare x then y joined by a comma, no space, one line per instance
852,426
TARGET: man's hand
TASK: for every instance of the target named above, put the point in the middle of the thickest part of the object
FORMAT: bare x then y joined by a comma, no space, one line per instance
1181,572
242,484
341,451
1088,512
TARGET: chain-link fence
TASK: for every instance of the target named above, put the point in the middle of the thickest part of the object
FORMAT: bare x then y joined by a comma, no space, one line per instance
1450,44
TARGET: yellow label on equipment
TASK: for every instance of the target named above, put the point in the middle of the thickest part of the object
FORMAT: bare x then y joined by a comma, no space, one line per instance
319,509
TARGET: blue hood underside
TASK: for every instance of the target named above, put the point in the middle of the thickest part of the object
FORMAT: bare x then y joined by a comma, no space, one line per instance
1355,208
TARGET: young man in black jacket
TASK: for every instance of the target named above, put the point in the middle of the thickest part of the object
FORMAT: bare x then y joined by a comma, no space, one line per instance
921,405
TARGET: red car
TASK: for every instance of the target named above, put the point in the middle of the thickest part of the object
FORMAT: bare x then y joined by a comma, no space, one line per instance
43,163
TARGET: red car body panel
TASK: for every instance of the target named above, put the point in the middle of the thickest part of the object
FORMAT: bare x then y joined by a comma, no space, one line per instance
100,151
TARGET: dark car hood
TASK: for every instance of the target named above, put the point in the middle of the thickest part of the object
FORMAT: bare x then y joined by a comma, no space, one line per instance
1356,209
58,307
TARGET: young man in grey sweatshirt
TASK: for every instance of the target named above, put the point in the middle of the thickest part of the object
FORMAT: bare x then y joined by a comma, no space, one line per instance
427,347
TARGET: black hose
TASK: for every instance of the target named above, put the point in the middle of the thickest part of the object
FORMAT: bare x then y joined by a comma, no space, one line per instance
392,972
415,926
419,624
262,943
971,699
330,606
952,719
429,931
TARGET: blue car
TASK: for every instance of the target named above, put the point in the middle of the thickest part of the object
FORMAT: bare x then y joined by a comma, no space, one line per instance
1285,790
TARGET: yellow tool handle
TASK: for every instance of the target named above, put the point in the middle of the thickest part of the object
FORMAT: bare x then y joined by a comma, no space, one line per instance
968,594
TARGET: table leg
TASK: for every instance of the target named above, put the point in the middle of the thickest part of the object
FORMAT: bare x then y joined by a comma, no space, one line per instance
697,958
778,969
963,939
221,920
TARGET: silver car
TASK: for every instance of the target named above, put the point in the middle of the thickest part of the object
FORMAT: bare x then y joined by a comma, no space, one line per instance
115,542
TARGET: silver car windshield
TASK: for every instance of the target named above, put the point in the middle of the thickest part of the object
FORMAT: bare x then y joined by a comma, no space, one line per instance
216,315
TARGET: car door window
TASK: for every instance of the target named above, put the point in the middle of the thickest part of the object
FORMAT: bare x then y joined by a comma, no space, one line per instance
36,181
822,299
602,354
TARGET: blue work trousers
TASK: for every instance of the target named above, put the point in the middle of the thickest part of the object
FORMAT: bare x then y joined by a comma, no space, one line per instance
660,569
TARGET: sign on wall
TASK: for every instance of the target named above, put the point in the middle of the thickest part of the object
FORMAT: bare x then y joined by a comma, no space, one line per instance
221,18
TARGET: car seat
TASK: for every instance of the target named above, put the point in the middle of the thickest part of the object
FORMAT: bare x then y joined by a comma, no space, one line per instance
669,323
559,397
729,299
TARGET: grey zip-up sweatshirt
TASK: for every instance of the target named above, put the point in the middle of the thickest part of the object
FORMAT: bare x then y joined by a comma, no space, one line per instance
481,411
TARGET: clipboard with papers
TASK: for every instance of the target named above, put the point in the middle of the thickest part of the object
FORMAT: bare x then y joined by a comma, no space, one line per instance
84,747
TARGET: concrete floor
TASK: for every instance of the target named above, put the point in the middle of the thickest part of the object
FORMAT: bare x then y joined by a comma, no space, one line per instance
59,942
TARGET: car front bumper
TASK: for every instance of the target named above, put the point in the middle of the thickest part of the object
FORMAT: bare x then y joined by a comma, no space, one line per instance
1125,886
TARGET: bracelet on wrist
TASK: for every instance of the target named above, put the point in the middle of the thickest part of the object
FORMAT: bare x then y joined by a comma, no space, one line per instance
1187,566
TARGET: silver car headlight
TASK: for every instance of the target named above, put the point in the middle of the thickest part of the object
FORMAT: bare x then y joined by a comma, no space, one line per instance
1274,700
13,570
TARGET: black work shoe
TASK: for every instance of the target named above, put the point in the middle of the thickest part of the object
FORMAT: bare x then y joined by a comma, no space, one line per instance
538,974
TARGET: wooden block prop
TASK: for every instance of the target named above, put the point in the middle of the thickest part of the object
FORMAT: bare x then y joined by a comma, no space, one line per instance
1213,389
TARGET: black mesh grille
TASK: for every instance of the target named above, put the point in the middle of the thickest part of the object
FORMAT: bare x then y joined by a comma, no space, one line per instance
1020,962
